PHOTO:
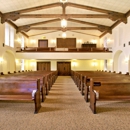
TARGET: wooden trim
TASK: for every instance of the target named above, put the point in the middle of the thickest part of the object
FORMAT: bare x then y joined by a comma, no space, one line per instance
25,34
115,24
83,22
128,14
85,33
91,8
64,29
66,16
12,24
43,33
103,34
1,14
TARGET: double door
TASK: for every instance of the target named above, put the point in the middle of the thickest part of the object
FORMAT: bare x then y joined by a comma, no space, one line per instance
64,68
44,66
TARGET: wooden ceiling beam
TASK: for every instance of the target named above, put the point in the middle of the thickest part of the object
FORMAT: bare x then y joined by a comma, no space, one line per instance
127,14
85,33
42,33
66,16
37,8
87,23
63,29
26,28
1,14
12,24
101,28
16,14
91,8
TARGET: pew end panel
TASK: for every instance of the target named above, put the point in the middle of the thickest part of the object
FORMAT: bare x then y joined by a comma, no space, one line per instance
37,99
92,98
21,90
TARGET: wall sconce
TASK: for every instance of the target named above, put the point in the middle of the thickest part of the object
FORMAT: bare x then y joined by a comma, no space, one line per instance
74,63
19,40
79,41
94,41
1,59
17,61
94,63
108,40
126,60
32,64
53,41
32,41
64,35
111,62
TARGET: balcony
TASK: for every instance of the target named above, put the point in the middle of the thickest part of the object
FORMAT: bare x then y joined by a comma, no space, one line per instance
63,53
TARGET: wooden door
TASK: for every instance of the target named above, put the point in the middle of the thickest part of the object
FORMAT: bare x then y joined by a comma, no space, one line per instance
64,68
43,66
66,43
42,43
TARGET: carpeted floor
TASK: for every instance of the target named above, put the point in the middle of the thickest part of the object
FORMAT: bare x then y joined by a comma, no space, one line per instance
65,109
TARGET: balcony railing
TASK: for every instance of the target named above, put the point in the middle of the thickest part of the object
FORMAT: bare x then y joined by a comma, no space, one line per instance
54,49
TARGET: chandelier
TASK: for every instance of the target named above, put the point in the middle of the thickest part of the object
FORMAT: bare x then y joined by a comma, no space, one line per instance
63,23
63,1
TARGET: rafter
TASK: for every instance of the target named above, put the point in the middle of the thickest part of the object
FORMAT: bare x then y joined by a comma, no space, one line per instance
108,13
66,16
1,14
12,24
101,28
85,33
127,14
26,28
16,14
91,8
37,8
43,33
64,29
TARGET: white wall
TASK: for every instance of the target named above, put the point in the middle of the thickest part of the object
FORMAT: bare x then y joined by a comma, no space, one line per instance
33,41
75,64
120,36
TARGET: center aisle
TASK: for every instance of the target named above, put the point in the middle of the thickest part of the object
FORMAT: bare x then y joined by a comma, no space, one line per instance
64,107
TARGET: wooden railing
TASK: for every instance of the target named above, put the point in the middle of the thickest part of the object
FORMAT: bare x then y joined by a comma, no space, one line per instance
53,49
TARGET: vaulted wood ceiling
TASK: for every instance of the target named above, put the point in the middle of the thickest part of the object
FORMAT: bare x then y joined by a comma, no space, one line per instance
84,16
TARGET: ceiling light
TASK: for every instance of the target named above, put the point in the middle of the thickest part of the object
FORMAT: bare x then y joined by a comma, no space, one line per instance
64,35
63,1
63,23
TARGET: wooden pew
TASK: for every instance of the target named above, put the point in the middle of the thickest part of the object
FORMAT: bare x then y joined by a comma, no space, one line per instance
109,91
21,90
32,76
101,77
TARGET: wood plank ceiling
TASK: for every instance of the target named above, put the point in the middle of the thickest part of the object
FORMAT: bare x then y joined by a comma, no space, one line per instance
91,17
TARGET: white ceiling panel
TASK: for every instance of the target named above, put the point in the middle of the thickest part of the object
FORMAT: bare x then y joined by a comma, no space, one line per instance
121,6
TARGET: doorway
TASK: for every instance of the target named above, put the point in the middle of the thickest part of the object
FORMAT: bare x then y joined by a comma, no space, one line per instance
64,68
44,66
